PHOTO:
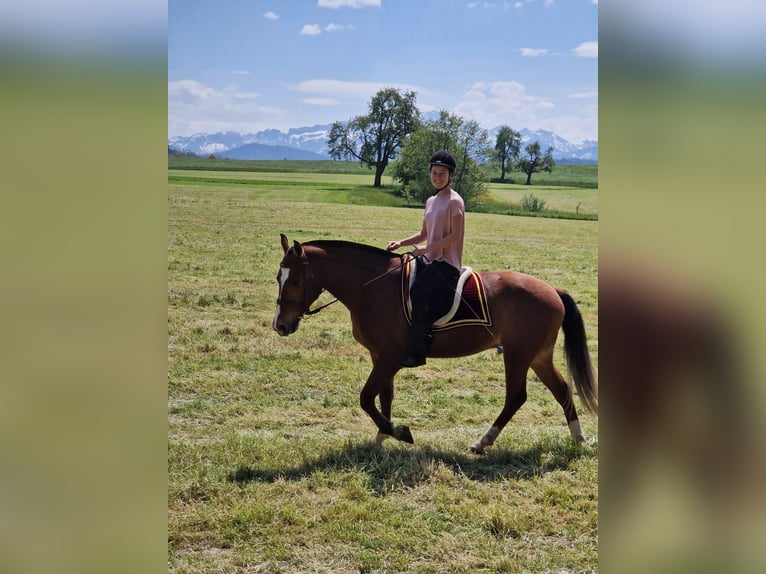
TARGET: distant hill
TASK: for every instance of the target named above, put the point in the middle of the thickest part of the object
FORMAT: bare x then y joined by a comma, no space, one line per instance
172,152
310,143
263,151
310,139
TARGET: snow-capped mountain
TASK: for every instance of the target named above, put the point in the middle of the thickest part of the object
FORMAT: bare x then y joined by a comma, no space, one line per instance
206,144
563,150
265,151
312,141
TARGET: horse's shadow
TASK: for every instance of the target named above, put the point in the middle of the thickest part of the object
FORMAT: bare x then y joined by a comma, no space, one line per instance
393,468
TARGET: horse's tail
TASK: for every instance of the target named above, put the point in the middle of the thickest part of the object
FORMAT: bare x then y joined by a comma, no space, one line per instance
576,351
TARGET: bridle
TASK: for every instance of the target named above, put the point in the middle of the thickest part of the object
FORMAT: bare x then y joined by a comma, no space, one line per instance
308,275
302,304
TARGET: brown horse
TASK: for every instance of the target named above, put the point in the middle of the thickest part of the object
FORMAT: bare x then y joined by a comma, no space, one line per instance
526,316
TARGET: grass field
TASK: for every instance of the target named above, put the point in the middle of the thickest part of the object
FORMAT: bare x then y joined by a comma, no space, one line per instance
569,192
559,199
270,467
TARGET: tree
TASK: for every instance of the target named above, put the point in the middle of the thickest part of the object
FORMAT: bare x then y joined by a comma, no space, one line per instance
507,149
535,162
376,139
465,139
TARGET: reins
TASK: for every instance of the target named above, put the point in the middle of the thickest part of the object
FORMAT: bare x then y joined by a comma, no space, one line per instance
318,309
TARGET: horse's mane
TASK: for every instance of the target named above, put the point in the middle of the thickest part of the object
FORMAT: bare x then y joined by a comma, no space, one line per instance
336,243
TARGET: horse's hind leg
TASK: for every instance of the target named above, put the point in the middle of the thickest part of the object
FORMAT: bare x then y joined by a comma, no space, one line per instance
551,377
515,396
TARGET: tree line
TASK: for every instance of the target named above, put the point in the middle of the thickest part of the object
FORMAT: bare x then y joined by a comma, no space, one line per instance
394,133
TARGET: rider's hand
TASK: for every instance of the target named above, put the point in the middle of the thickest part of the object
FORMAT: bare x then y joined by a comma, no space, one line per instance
393,245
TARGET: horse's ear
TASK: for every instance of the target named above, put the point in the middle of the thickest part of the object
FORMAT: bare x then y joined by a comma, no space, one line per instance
298,248
285,242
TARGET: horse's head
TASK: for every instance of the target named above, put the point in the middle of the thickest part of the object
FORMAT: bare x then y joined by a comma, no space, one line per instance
297,289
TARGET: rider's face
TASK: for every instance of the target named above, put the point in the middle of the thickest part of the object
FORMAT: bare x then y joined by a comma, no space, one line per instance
439,176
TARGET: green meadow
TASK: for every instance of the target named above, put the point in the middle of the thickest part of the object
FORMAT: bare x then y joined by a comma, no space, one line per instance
270,465
569,192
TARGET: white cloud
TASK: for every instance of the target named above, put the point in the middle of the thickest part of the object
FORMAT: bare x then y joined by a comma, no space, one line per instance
194,107
320,101
505,5
576,125
495,103
348,3
338,27
343,90
311,30
188,90
532,52
587,50
241,72
271,16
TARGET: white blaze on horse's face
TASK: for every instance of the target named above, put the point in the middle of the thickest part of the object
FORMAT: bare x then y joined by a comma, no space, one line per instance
284,273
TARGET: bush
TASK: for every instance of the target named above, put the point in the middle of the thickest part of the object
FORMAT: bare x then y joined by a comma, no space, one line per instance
533,203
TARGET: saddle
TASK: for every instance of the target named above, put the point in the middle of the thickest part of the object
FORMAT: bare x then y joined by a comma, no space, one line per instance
469,306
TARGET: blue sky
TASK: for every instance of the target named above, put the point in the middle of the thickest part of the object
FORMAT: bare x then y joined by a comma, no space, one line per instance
250,65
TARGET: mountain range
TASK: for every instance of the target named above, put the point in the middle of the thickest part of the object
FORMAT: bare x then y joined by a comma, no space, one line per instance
311,143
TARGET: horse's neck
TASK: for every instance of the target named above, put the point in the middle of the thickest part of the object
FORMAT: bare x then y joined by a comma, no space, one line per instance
342,273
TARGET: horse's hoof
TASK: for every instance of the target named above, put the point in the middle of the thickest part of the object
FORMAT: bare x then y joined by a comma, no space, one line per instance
476,449
403,433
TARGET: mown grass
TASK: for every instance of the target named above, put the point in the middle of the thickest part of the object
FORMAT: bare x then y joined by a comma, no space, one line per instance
565,175
561,202
270,466
302,187
571,192
270,166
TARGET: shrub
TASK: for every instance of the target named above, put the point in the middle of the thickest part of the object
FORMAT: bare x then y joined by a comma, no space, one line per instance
533,203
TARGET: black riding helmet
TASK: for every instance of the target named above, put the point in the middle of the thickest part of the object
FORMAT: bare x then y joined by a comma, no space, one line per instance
445,158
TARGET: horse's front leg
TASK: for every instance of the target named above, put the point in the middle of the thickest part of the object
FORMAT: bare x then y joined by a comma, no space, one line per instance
386,401
381,383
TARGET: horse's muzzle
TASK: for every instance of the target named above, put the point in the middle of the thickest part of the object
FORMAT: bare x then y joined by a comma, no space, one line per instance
284,328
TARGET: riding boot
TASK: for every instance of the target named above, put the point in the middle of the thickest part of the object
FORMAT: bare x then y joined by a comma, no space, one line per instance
418,341
428,340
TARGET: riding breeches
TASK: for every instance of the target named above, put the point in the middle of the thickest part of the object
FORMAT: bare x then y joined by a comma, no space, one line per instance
431,296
